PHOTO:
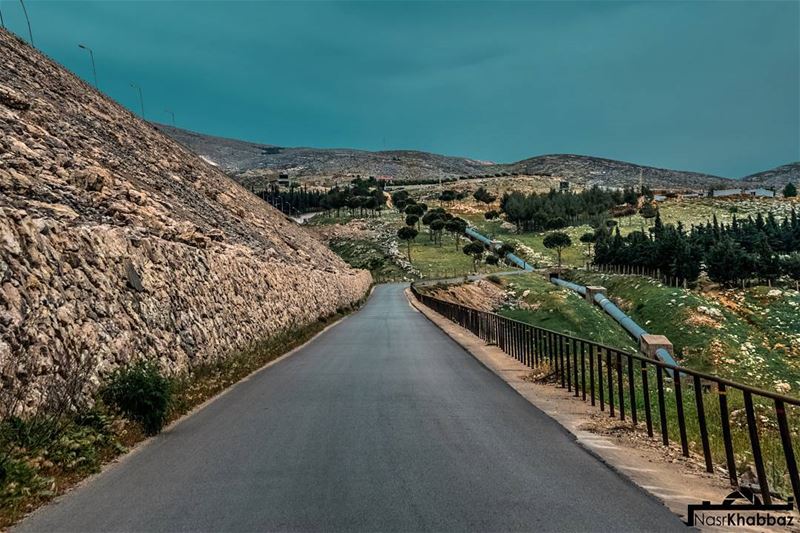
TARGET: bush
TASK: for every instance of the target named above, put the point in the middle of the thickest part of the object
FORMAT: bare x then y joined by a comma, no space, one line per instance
142,394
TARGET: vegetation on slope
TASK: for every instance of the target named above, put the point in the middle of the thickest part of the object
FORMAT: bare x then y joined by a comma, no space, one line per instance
737,335
545,305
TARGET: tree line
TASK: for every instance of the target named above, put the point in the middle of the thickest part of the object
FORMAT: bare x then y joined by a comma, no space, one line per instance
760,247
361,196
559,209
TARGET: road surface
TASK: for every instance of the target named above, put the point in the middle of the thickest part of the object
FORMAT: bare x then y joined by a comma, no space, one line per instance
382,423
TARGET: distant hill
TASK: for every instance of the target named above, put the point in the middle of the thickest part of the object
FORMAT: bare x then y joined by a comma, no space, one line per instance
777,177
248,161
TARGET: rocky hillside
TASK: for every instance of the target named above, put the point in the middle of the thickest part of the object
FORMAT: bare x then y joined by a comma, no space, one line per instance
116,242
237,157
247,161
608,172
777,177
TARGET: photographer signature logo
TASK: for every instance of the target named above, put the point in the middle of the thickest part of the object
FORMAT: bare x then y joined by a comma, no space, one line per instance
742,508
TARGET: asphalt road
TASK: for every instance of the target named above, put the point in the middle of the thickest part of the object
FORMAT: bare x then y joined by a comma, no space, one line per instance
382,423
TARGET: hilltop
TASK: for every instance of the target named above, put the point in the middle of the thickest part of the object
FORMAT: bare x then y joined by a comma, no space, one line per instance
248,161
118,243
777,177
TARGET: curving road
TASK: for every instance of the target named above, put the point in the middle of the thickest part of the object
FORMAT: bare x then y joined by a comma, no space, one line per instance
382,423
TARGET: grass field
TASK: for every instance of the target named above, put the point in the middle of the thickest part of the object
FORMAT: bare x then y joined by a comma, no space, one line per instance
748,336
544,305
384,255
688,212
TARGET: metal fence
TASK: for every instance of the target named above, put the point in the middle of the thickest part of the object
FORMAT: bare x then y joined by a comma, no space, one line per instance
635,388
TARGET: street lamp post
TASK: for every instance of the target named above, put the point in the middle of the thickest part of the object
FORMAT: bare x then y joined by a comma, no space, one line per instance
94,70
25,11
172,115
141,99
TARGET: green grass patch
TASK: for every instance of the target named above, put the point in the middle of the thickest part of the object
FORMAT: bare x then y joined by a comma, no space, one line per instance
368,255
738,345
548,306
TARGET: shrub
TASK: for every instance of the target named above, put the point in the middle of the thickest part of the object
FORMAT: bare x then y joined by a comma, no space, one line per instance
142,394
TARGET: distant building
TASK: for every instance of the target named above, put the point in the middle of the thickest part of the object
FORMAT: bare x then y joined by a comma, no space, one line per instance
760,193
385,179
283,179
659,197
725,192
563,186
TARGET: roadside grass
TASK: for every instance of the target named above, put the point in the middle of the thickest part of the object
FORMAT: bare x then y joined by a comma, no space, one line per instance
368,255
548,306
37,466
740,345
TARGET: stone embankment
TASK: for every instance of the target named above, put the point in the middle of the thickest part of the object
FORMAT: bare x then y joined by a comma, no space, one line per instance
118,243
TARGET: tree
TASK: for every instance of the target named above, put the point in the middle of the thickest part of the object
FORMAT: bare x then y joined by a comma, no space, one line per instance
456,226
491,215
408,234
791,267
415,209
557,241
482,195
447,196
492,259
476,250
400,200
505,249
437,225
725,262
648,211
412,220
588,238
790,191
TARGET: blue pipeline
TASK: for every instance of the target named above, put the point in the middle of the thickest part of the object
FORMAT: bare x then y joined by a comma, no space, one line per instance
509,256
580,289
634,329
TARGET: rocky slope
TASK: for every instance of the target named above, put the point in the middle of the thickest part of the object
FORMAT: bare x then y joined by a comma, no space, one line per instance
238,157
777,177
116,242
247,161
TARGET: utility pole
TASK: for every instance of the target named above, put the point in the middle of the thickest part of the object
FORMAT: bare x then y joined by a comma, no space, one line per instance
25,11
94,70
2,22
641,182
172,115
141,99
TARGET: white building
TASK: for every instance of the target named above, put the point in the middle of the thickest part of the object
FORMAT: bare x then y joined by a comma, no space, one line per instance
725,192
760,193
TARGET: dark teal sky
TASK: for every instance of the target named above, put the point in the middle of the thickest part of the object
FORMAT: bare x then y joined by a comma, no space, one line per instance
705,86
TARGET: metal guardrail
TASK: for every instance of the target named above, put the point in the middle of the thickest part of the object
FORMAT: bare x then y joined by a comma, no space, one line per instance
606,376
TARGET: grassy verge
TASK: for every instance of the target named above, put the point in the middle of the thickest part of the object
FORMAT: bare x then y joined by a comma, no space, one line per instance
368,255
751,341
41,457
547,306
